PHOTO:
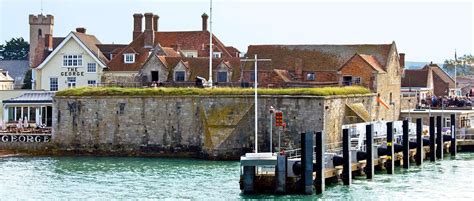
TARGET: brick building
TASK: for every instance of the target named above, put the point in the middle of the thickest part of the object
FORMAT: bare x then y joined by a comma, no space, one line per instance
429,80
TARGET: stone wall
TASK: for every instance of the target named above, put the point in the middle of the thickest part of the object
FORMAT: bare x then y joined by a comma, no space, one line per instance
219,127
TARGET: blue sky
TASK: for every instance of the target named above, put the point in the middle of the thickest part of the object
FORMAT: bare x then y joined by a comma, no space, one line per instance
424,30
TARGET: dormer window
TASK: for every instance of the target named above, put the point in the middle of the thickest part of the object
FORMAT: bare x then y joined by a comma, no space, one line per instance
179,76
217,54
129,58
222,76
311,76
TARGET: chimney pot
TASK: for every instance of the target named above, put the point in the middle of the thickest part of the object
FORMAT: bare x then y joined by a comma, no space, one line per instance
155,22
204,21
149,33
402,59
137,25
48,41
81,30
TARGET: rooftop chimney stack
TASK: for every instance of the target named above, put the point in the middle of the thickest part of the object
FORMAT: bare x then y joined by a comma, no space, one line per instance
137,25
149,33
155,22
48,42
204,21
402,59
81,30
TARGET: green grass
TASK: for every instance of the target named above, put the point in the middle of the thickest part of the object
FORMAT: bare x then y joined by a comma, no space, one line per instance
116,91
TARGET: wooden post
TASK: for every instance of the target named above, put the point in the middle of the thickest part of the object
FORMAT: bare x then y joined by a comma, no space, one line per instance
419,141
307,161
390,161
369,148
406,145
439,140
320,170
249,175
453,147
432,140
346,156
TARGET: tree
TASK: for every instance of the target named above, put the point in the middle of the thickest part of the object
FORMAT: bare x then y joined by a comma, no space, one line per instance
15,49
27,80
464,65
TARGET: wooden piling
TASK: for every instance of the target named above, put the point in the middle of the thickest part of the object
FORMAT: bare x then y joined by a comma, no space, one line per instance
320,170
280,174
419,142
249,176
453,147
432,140
439,140
390,160
369,148
307,162
406,145
346,156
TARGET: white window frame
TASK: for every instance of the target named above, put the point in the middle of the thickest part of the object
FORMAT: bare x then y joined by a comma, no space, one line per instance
90,66
356,80
72,60
217,55
89,83
308,74
71,84
129,58
57,83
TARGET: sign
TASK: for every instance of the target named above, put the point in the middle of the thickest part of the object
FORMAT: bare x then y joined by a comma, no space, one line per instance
25,138
278,118
72,72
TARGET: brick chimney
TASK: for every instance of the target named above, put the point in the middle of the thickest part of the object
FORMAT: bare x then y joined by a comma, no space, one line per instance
204,21
402,59
81,30
149,33
155,22
137,24
48,42
299,68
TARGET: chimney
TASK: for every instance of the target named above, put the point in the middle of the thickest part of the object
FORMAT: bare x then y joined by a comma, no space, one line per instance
137,24
204,21
149,33
402,59
299,69
48,42
81,30
155,22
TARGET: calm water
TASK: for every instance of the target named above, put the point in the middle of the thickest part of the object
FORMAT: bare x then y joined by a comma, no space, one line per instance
128,178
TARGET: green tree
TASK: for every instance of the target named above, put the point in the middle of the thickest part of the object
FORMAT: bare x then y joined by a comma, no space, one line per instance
14,49
27,80
464,65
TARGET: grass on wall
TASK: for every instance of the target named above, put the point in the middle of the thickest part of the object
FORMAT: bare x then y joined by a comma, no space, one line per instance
161,91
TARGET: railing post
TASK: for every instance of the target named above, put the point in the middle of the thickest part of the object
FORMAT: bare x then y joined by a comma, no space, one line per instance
307,161
406,145
453,147
439,140
369,150
432,140
419,142
320,170
390,161
346,156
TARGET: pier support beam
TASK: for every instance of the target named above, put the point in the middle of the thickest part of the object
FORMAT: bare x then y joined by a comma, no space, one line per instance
406,145
307,161
432,140
390,161
320,170
280,174
453,147
439,140
346,156
369,148
419,142
249,176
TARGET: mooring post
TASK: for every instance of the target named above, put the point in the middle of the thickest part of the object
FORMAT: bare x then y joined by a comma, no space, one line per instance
307,161
406,145
390,161
280,174
249,176
453,147
369,149
439,140
432,140
419,142
346,156
320,170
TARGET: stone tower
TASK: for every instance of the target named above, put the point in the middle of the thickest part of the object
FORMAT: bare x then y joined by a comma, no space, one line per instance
41,32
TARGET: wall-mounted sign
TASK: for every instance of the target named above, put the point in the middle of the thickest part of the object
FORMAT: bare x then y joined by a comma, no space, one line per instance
25,138
72,72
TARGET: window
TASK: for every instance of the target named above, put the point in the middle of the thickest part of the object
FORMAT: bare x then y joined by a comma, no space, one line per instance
347,80
356,80
129,58
179,76
91,83
217,54
221,76
72,60
91,67
154,76
40,32
190,55
53,84
32,114
17,113
311,76
71,82
252,76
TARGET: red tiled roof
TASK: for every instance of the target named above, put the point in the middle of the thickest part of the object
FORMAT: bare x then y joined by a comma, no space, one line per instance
232,50
370,59
117,63
441,73
90,41
415,78
57,41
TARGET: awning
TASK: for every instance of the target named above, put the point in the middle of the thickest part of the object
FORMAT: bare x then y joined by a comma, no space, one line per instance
360,111
33,97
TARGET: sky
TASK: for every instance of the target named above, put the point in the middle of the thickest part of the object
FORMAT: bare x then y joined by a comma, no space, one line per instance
423,30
